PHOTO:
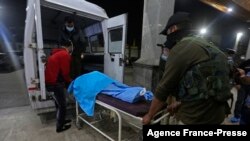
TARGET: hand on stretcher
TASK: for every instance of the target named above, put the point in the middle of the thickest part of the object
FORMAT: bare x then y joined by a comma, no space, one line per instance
171,109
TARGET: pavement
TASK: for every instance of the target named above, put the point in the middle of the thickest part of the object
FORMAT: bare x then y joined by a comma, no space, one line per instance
13,91
22,124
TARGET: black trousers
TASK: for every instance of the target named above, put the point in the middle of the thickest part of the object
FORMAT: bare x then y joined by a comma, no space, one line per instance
245,116
239,102
60,102
245,113
76,67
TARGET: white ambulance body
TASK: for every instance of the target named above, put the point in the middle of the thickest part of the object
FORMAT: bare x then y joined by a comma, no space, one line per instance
106,40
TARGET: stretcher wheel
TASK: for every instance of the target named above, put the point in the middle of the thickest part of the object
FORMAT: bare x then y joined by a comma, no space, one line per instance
79,125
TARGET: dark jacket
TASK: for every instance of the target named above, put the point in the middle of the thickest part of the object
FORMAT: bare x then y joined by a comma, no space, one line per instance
58,67
77,38
182,57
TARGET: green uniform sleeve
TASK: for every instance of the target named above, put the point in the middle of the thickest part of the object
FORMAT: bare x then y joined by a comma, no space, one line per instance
184,55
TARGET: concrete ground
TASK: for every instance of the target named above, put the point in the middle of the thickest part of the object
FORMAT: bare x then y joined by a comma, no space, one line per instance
22,124
12,89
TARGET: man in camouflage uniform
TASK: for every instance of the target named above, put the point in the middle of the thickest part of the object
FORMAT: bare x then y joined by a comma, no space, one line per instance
196,73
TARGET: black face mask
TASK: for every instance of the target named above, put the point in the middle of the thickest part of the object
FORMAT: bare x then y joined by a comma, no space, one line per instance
174,37
170,43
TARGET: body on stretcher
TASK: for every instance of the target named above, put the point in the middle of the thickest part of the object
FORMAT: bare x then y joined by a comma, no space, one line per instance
131,113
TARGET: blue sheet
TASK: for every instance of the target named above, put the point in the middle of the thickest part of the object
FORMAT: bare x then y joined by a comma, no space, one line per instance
86,87
127,93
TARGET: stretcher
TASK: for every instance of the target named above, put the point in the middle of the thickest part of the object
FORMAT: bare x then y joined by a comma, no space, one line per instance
131,113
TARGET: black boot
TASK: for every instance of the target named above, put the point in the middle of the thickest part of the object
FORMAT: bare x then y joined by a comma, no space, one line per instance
65,127
67,121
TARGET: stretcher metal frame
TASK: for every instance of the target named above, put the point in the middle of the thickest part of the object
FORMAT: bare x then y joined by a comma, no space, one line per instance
119,113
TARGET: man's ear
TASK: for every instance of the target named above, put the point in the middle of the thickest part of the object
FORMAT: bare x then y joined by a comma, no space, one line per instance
172,29
175,28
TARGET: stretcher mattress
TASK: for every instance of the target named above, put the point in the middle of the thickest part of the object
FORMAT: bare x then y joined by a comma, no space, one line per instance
138,109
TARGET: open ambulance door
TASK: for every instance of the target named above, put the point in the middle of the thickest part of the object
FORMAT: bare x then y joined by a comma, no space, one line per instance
35,38
115,31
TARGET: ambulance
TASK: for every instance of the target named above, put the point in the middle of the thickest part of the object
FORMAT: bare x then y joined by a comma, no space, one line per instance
106,39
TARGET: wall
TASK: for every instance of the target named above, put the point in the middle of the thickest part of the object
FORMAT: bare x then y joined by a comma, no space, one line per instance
155,16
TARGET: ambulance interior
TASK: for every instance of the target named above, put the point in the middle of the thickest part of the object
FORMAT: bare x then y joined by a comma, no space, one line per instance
53,23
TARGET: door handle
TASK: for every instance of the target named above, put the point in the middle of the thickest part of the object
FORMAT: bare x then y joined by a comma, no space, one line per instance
43,59
112,57
123,61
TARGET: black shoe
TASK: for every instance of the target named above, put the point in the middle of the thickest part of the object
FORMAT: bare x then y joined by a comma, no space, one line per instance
65,127
67,121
